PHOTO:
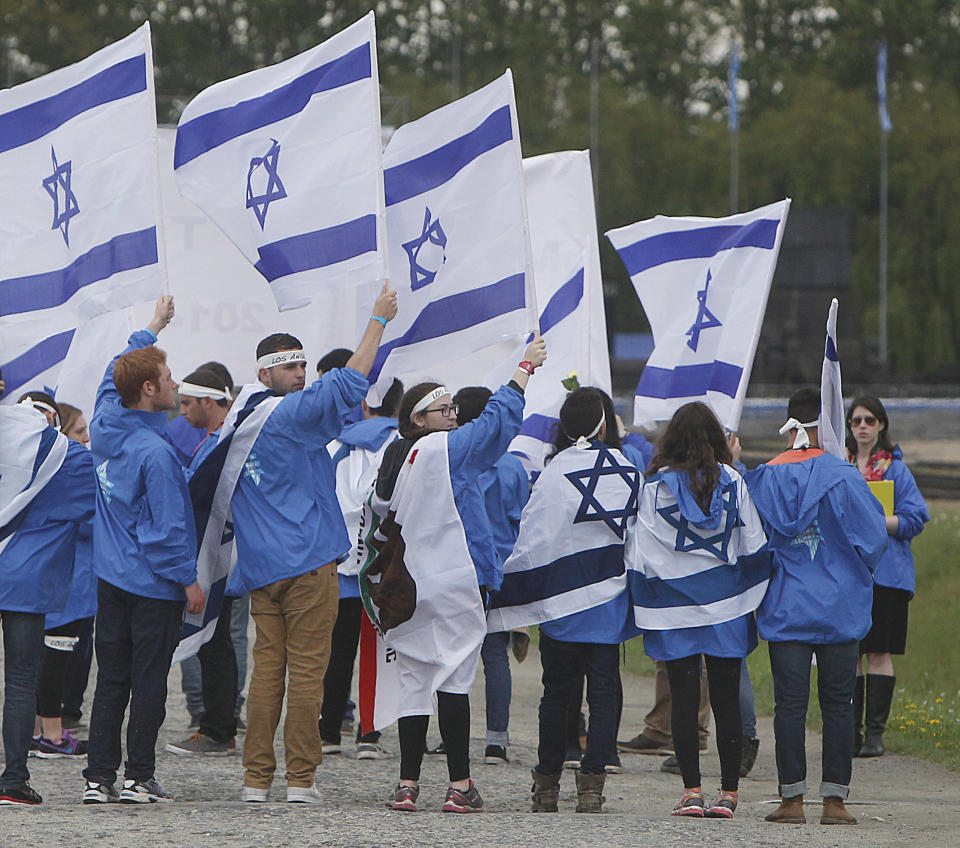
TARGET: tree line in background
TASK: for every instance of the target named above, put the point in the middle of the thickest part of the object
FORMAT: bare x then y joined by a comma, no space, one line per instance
808,108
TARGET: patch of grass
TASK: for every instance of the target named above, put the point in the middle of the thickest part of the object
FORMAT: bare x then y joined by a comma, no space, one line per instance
925,716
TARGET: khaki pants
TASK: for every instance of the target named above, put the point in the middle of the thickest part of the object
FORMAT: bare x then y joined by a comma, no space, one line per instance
657,724
294,619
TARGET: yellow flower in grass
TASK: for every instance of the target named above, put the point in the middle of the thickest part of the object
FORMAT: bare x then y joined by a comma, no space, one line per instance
910,722
933,721
939,701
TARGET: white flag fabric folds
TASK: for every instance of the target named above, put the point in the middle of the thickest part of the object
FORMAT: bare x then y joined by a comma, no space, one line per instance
569,555
688,568
569,287
80,218
286,160
457,231
832,426
703,283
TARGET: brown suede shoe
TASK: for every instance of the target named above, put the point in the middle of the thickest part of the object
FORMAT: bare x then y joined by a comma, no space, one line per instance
790,811
835,813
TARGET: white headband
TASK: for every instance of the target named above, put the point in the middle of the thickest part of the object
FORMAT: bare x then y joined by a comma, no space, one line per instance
39,405
425,401
802,440
281,357
192,390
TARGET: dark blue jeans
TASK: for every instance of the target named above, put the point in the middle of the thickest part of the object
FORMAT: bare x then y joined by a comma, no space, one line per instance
836,672
498,686
22,651
564,663
135,639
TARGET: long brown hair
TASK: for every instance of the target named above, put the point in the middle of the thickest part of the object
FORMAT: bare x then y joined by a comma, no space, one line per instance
68,416
694,442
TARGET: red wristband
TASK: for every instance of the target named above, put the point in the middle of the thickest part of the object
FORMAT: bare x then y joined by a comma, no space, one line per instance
527,366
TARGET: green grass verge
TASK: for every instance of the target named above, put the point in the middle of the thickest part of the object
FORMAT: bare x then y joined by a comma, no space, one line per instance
925,717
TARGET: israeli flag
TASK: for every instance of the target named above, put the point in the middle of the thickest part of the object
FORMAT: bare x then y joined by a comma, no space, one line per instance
569,287
286,160
458,236
688,573
569,555
81,219
703,283
831,424
31,452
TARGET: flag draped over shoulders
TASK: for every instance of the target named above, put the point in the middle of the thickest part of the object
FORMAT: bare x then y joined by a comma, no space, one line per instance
569,555
690,568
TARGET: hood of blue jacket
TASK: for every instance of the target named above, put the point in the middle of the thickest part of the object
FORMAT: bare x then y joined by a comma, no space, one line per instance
678,482
369,434
116,422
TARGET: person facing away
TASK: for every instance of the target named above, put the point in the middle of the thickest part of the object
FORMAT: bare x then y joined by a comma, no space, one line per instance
145,556
826,532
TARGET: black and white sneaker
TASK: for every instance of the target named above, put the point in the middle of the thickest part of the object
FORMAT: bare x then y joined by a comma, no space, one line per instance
495,755
99,793
22,794
143,792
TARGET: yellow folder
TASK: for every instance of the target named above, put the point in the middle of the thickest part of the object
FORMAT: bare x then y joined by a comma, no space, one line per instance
883,492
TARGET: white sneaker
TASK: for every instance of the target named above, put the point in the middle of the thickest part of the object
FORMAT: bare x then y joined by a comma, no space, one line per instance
253,795
303,795
329,748
372,751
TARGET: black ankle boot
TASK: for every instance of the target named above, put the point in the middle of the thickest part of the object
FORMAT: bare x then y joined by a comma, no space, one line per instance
879,694
858,715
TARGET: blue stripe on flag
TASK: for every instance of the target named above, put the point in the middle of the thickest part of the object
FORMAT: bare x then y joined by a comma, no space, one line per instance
690,380
433,169
564,301
583,568
48,438
541,427
831,351
52,288
22,369
457,312
318,249
704,587
205,132
210,612
28,123
696,244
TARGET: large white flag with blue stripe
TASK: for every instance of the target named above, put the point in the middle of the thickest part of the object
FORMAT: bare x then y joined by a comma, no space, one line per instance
80,218
688,568
457,231
569,286
286,160
703,283
569,555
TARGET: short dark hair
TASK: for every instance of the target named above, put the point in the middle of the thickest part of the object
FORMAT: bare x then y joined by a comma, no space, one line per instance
579,415
276,342
471,400
804,405
411,397
208,377
391,401
336,358
220,370
876,407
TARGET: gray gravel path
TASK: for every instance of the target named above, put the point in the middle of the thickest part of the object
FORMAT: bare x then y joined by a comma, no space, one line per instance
899,800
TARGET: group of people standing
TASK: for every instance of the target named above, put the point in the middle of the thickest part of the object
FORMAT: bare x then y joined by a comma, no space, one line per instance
414,515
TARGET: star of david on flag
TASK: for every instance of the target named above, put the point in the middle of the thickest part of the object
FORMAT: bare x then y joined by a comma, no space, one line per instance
706,320
591,508
260,167
702,352
57,184
432,233
690,539
811,537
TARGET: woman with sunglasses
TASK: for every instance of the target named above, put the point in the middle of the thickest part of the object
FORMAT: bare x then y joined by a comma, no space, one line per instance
429,496
870,447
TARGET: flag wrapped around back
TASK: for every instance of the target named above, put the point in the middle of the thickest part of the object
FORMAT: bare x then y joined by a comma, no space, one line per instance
286,160
458,235
81,213
690,568
211,490
31,452
703,283
569,286
569,556
831,424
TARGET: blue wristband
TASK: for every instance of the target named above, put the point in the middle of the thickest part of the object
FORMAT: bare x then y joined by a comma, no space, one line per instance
380,319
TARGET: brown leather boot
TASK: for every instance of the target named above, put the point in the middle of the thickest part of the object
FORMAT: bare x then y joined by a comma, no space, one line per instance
589,792
545,792
790,811
835,813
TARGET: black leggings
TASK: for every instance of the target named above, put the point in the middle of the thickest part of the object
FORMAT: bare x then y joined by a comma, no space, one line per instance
453,716
723,677
53,668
